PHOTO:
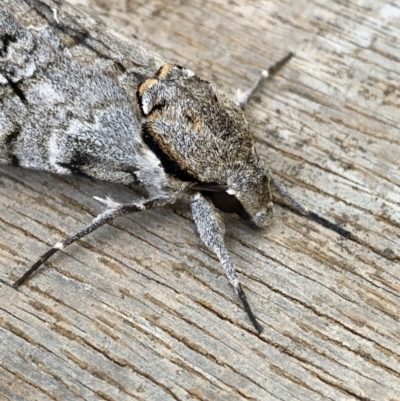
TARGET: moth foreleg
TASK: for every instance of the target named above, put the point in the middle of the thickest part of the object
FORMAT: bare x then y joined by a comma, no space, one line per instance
211,230
100,220
242,98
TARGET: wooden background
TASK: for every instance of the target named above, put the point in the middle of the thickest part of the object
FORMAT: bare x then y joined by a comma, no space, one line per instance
140,310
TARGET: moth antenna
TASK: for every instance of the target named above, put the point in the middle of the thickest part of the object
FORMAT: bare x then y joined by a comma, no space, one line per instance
247,308
96,223
308,213
242,98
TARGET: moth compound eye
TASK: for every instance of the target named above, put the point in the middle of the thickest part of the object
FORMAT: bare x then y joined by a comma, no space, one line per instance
225,202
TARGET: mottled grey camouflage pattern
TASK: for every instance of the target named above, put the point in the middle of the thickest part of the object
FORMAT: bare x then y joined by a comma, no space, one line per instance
66,112
75,99
70,108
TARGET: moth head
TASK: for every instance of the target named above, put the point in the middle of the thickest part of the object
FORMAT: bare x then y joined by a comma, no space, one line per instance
202,136
248,194
251,185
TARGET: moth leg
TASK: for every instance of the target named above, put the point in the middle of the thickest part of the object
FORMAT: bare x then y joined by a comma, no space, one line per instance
308,213
241,98
211,229
100,220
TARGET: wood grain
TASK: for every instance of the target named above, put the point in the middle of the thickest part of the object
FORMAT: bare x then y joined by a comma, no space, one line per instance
140,309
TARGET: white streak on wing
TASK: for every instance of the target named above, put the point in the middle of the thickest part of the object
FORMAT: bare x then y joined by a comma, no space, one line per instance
44,94
55,15
56,154
26,72
39,28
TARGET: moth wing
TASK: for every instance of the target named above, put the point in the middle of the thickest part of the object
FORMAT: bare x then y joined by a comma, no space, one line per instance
68,93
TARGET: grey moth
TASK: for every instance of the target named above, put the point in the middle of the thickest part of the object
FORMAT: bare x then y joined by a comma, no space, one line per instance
77,100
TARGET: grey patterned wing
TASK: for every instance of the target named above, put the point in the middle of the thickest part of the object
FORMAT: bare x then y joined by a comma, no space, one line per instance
68,95
90,43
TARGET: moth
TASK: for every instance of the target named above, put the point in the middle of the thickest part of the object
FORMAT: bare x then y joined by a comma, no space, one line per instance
77,100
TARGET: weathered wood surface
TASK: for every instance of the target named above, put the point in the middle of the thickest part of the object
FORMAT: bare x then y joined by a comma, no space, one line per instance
141,311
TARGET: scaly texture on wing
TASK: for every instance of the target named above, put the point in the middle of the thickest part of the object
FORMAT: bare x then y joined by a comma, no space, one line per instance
66,112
